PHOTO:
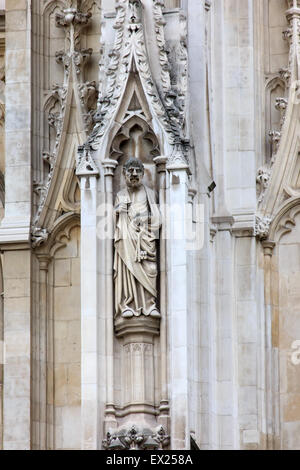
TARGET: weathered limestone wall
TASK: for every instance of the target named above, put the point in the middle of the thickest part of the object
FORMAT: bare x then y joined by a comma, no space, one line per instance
15,228
236,323
16,224
250,365
230,391
276,55
17,337
67,344
289,334
239,107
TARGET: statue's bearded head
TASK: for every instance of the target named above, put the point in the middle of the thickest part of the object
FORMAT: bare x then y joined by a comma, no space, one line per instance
133,171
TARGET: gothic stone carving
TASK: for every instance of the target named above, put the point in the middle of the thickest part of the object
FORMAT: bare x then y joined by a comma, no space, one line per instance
290,73
133,439
262,179
262,227
130,54
72,20
85,165
39,236
275,137
135,264
72,16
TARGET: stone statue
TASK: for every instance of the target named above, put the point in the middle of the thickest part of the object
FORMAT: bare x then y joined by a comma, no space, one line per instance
137,223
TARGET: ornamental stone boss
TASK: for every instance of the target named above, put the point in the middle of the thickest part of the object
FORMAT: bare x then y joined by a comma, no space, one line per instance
137,223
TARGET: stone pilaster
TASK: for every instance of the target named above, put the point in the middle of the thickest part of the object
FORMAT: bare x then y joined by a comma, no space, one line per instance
15,227
178,301
164,409
90,413
40,427
110,412
17,338
270,365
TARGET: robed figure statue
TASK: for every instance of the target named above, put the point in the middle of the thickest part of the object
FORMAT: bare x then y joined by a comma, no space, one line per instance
137,223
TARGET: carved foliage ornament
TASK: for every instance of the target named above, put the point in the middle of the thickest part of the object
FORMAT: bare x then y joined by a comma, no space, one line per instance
262,179
85,164
129,52
287,222
72,20
71,16
133,439
39,236
262,227
289,74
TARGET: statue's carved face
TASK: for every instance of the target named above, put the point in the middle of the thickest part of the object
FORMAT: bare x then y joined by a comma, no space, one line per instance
133,176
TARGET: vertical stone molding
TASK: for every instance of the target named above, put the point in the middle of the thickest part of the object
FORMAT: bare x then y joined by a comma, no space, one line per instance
90,318
271,367
40,384
178,305
109,166
18,124
164,409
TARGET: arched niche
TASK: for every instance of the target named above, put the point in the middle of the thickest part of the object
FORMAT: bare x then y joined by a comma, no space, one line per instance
57,365
135,139
51,110
53,39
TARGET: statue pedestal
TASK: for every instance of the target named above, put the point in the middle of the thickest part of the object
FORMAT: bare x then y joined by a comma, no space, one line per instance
137,418
137,358
142,325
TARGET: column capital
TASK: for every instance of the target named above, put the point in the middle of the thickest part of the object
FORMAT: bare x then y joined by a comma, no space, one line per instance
160,163
191,195
44,261
109,166
293,9
268,247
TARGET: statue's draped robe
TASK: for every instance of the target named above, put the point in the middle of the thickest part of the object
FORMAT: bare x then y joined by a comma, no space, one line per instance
135,262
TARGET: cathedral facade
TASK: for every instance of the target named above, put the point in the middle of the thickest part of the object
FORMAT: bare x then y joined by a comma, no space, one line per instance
150,224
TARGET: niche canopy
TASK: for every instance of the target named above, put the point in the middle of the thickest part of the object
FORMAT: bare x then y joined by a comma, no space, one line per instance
128,87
